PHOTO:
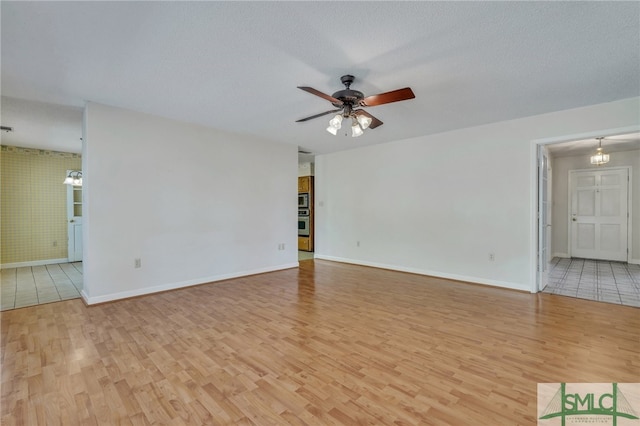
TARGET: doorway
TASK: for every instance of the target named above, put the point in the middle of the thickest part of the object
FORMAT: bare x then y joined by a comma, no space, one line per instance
551,230
306,207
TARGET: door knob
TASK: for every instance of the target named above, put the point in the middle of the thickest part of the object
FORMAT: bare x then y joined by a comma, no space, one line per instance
574,219
71,221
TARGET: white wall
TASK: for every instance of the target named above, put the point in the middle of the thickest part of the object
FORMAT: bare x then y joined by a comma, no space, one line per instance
560,195
194,204
306,169
440,204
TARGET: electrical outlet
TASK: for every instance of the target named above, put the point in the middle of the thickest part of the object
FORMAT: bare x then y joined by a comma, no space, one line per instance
281,246
137,263
357,243
492,257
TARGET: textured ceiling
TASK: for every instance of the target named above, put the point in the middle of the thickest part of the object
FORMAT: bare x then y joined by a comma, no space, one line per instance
236,65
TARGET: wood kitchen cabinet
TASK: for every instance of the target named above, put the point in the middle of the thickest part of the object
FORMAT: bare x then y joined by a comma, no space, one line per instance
304,184
305,244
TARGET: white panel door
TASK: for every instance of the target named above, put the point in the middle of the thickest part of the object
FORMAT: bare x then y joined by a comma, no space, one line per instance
599,214
74,223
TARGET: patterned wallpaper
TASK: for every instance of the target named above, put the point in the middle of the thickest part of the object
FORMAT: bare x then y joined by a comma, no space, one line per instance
33,203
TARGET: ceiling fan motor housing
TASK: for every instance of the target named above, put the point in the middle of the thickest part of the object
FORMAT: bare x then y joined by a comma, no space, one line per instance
348,96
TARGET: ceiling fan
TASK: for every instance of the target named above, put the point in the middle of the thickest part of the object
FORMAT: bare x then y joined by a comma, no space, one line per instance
349,102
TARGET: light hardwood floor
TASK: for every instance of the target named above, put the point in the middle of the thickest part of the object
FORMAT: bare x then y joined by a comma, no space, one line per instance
327,343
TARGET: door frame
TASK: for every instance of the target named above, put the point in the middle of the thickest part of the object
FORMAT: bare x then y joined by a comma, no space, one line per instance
544,215
534,188
629,206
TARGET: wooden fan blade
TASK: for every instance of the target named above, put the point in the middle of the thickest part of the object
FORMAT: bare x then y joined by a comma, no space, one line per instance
322,95
374,121
318,115
388,97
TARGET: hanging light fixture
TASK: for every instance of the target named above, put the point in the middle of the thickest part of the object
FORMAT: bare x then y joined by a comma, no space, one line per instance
335,124
599,157
74,177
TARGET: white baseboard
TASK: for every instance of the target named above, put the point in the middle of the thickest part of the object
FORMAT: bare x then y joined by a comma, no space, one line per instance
84,296
474,280
33,263
174,286
566,256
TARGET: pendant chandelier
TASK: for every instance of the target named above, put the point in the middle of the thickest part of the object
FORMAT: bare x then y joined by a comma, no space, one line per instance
599,157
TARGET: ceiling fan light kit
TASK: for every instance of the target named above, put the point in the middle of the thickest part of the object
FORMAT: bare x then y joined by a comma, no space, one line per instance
356,130
349,103
335,124
364,121
599,157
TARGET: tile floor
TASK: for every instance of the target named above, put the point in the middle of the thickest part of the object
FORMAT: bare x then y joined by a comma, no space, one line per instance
34,285
305,255
612,282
